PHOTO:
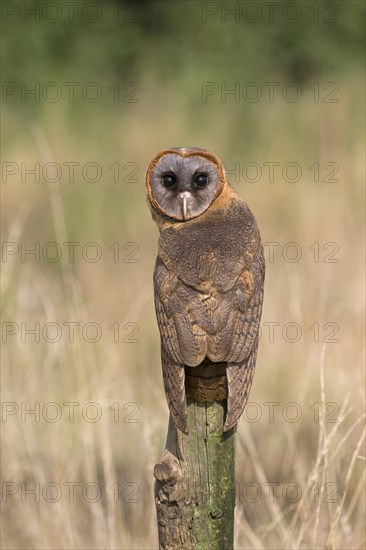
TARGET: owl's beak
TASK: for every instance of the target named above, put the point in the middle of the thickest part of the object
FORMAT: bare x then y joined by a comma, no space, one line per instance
184,198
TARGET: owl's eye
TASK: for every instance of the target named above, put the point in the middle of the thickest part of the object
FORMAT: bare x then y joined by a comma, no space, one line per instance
169,179
201,179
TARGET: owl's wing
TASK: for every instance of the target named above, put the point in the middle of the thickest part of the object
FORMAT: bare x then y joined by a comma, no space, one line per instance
179,339
174,387
239,379
243,352
248,311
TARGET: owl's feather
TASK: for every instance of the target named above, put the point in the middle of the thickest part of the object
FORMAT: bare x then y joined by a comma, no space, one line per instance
239,380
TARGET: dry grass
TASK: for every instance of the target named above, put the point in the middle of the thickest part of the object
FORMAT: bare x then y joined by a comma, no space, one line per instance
315,466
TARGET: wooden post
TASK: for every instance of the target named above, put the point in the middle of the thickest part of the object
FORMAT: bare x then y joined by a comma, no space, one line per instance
195,482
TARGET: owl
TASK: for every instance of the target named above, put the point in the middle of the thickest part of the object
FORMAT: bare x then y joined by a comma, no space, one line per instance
208,282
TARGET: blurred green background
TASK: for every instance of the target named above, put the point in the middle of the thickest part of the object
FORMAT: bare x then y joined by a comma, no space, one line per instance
140,73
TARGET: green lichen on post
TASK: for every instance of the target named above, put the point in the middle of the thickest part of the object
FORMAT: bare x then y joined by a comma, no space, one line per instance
210,457
195,482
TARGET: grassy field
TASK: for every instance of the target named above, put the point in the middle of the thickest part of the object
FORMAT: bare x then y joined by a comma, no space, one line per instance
77,471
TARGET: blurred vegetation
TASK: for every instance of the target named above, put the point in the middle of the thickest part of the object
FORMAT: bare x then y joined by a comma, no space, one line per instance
167,33
176,42
168,51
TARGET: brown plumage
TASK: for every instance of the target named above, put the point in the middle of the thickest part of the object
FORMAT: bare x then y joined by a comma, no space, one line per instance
208,282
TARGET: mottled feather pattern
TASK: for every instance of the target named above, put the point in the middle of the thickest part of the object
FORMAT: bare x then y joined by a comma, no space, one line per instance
173,377
213,250
240,378
222,325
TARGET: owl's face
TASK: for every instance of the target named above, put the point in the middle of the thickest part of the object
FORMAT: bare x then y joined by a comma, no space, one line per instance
182,183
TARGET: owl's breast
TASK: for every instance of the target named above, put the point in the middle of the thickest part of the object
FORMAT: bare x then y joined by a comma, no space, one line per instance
209,254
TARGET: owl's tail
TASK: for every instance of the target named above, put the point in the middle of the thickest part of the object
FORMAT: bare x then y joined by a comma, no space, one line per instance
207,382
222,381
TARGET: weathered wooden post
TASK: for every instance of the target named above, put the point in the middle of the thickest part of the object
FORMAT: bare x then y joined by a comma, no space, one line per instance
195,480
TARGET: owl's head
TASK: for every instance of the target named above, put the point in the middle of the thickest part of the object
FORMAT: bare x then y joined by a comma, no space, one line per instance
182,183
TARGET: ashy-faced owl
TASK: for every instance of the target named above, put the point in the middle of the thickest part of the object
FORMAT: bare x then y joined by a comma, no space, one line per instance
208,282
